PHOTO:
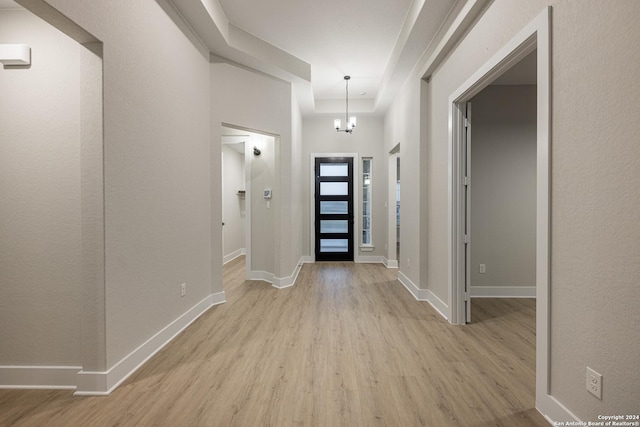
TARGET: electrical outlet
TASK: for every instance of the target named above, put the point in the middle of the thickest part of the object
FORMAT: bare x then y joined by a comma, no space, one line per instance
483,268
183,289
594,383
408,262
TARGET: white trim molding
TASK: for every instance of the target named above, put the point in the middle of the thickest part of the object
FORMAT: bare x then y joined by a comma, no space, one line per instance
503,291
265,276
233,255
424,295
286,282
281,282
103,383
555,412
39,377
369,259
390,263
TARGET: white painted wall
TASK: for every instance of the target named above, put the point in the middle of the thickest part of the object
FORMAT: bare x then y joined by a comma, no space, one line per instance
298,188
157,149
234,205
503,188
367,140
253,101
40,212
595,206
263,212
402,126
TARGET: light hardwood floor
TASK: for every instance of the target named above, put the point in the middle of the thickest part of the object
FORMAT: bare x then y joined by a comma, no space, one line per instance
346,346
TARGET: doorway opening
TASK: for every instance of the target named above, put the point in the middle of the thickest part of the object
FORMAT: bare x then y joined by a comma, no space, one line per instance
393,202
248,168
500,201
334,210
533,37
234,207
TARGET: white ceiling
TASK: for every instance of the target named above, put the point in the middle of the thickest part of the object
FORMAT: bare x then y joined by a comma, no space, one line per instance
336,37
9,4
314,44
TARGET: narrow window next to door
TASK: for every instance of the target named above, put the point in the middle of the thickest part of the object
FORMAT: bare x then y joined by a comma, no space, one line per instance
366,243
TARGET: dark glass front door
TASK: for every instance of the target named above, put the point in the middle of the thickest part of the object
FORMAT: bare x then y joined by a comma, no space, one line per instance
334,208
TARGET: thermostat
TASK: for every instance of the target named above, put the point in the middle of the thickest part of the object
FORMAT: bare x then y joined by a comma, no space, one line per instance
267,194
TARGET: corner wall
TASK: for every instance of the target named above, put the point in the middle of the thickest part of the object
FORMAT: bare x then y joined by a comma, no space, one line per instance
402,126
157,179
40,212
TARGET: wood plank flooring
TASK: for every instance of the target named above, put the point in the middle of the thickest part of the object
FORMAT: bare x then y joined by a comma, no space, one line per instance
346,346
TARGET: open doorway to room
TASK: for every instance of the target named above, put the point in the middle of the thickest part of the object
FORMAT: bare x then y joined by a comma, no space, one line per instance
234,207
533,39
393,224
501,191
248,170
501,209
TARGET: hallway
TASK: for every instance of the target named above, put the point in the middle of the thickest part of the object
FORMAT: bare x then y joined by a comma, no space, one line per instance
347,345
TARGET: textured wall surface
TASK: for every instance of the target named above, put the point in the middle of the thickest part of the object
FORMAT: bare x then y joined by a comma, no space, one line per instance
157,152
503,186
40,226
596,205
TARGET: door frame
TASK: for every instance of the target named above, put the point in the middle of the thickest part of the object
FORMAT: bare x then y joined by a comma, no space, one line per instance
312,204
392,254
535,35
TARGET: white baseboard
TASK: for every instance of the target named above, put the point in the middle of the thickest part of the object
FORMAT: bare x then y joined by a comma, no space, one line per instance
265,276
281,282
424,295
308,259
233,255
288,281
38,377
503,291
390,263
369,259
555,412
103,383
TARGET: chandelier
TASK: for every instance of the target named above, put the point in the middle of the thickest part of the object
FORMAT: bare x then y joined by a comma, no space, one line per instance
351,121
